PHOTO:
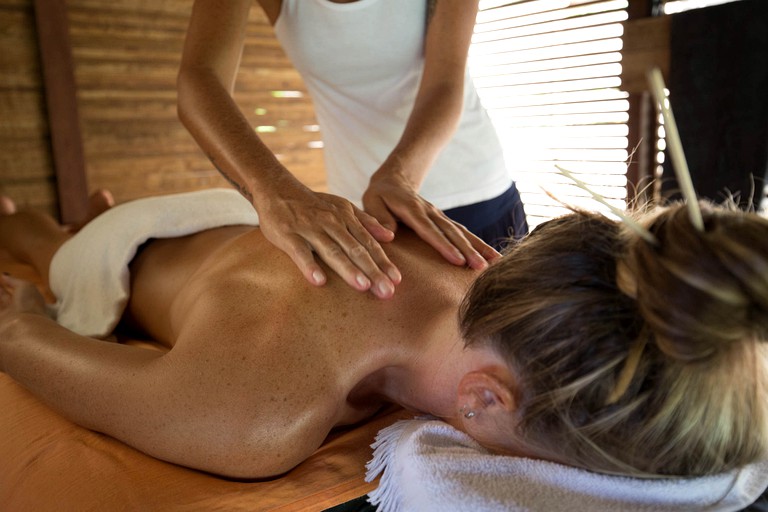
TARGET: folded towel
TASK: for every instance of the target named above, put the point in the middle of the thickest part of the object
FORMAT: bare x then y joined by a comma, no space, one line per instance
427,465
89,273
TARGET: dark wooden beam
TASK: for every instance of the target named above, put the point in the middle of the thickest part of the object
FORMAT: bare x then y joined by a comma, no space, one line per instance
61,100
642,146
642,35
640,9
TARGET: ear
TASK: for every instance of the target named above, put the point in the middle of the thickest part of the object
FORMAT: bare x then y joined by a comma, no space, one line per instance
487,407
486,394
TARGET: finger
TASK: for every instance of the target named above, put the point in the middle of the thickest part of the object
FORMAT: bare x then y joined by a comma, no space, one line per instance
374,248
417,214
368,257
357,260
378,210
466,242
349,241
380,232
374,262
486,251
301,255
337,257
421,222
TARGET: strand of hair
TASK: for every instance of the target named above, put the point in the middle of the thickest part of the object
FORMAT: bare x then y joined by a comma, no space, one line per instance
629,221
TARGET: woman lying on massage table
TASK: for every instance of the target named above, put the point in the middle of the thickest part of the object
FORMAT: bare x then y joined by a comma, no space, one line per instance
585,345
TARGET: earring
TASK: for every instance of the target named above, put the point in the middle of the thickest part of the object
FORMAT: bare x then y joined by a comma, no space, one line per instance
468,414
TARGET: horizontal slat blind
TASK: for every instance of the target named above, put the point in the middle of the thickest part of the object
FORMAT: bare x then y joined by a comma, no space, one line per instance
548,72
675,6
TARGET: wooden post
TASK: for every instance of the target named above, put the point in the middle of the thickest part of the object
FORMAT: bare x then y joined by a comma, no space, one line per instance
61,101
640,9
642,140
642,135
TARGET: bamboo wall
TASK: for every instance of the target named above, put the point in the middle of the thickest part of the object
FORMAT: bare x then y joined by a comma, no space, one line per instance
125,56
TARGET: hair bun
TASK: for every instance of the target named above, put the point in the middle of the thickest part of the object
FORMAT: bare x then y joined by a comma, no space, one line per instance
701,291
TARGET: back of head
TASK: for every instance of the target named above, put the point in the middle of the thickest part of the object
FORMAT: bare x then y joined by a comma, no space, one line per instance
635,358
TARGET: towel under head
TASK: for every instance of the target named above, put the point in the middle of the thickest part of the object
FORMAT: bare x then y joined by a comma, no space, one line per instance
427,465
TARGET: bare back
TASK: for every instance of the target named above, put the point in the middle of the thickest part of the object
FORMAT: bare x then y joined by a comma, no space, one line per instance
297,359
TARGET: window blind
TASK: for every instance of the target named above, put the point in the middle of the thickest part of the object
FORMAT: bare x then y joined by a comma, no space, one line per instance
675,6
548,72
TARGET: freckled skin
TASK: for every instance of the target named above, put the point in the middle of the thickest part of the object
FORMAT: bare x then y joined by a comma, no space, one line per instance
261,365
273,354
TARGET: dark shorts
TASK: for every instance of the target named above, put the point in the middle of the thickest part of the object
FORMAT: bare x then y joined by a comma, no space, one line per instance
496,220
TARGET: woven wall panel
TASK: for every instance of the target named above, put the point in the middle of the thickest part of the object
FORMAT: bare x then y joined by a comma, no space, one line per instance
126,55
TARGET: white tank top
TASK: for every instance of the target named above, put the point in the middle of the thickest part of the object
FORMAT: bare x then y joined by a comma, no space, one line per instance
362,62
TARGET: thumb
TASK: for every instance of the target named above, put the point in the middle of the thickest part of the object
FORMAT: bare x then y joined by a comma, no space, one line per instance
378,230
379,211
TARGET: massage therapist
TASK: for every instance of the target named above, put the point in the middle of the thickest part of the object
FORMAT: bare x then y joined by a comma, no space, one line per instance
405,136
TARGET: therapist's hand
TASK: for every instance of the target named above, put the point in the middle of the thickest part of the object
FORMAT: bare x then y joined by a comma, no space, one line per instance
390,197
302,223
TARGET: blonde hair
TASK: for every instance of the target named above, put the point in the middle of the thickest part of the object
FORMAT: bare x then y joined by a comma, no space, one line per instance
665,373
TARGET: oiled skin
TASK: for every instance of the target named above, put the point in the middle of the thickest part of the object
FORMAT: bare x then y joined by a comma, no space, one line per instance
261,366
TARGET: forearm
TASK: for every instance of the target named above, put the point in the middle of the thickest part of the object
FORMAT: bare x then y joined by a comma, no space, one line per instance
432,123
169,408
119,390
297,220
84,379
227,138
440,99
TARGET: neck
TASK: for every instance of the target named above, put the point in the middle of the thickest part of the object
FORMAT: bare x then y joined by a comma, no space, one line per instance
426,379
420,369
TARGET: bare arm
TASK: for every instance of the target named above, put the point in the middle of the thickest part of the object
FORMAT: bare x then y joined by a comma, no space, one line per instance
183,408
294,218
393,190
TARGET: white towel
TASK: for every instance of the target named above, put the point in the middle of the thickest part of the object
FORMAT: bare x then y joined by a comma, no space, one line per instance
89,273
428,465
